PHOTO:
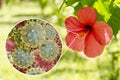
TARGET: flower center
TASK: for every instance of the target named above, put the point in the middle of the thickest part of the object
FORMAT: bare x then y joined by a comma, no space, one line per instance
88,27
81,34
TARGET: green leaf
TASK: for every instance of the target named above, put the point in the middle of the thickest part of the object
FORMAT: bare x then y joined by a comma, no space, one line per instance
102,8
82,3
100,17
71,2
43,3
7,1
114,20
87,2
77,7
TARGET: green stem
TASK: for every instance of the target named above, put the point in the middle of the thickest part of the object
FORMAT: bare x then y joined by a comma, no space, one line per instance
111,4
62,5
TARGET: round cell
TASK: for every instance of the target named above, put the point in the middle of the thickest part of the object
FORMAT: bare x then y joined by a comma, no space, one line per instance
33,46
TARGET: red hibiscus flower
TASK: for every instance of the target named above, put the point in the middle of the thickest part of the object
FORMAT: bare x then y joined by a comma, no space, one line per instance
85,34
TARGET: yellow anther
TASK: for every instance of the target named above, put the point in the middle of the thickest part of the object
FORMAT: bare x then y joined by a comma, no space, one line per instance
81,35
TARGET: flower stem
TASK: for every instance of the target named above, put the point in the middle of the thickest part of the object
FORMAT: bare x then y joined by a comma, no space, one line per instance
61,5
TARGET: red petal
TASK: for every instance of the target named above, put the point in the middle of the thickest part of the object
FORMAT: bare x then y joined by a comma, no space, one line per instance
72,24
102,32
75,42
92,47
87,16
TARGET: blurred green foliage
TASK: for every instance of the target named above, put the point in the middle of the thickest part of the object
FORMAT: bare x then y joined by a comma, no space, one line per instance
72,65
